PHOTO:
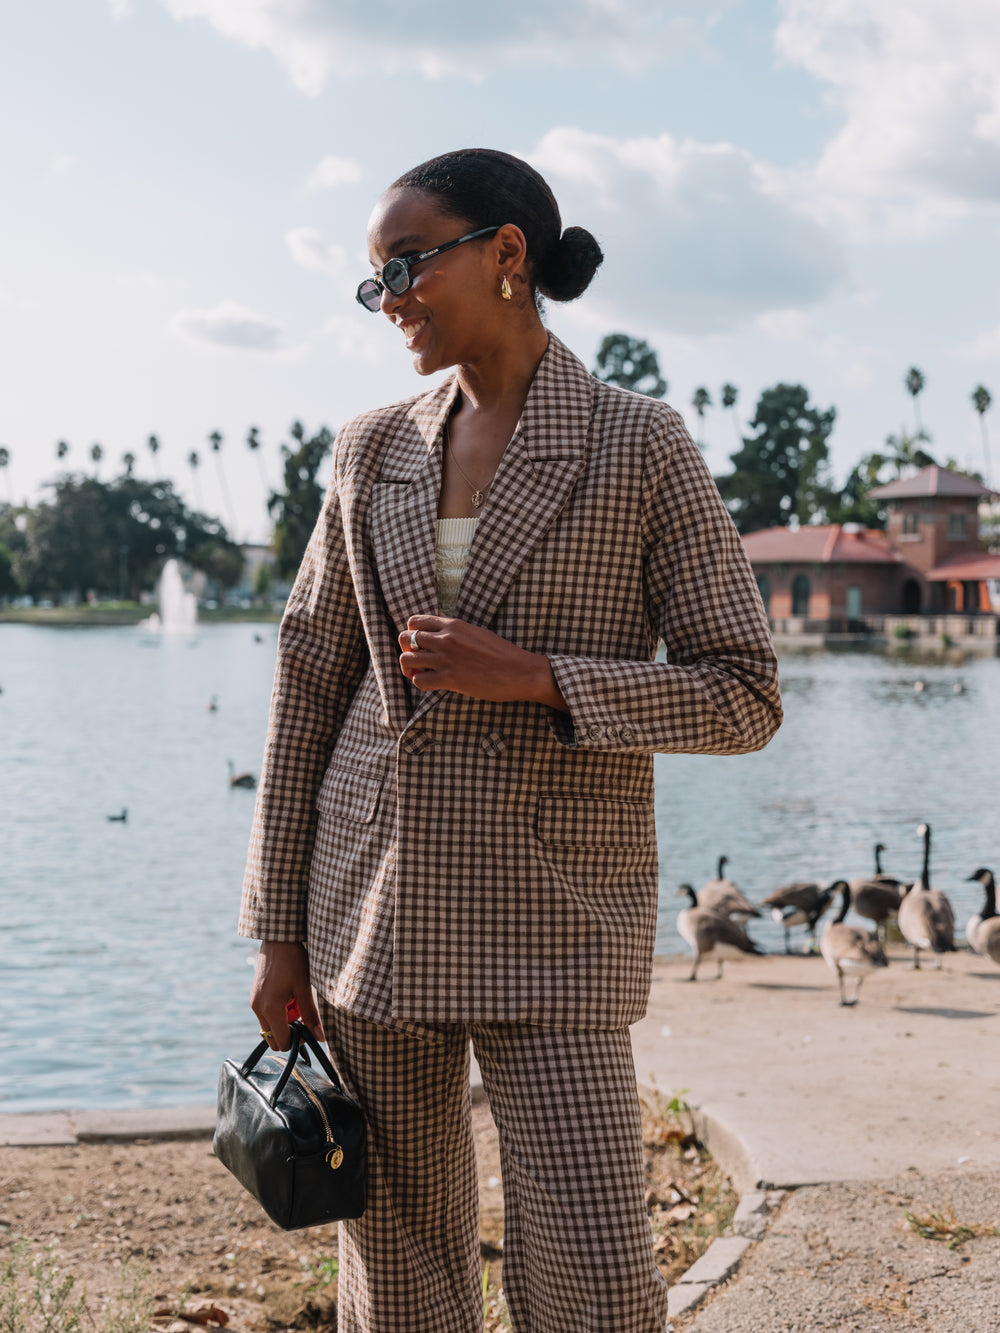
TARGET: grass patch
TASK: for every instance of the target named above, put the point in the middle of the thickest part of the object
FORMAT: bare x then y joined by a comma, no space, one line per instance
946,1228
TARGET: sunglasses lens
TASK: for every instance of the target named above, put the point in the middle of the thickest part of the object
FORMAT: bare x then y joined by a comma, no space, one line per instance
396,276
370,294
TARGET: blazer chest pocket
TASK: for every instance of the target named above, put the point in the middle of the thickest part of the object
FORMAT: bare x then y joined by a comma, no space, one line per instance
593,821
346,794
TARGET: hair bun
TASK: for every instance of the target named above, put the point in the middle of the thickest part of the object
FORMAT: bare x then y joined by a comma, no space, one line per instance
570,265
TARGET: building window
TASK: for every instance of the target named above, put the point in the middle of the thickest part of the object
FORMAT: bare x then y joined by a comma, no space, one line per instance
853,603
909,522
764,587
800,595
956,527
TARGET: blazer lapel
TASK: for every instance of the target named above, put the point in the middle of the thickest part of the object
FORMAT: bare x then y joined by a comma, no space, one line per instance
533,482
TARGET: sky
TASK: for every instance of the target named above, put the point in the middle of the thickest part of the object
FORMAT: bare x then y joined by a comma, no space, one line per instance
803,191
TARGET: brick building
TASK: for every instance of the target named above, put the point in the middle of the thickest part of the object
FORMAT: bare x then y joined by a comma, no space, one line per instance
928,561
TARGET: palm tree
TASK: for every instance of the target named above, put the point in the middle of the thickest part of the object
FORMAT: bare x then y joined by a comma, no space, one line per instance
153,445
253,444
981,399
215,440
702,399
4,465
915,382
62,449
728,396
96,453
128,461
193,463
904,450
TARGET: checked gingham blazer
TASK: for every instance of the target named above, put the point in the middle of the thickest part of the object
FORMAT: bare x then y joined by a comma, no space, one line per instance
451,859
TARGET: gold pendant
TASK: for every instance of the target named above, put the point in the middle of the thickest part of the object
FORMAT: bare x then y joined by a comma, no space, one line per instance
477,499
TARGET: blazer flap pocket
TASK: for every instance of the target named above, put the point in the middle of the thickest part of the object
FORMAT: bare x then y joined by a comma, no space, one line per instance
349,794
593,821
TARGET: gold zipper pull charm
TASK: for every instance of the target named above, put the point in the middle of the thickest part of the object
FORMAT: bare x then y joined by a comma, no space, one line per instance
335,1157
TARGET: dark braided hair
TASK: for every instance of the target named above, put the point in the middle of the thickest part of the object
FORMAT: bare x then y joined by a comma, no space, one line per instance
485,187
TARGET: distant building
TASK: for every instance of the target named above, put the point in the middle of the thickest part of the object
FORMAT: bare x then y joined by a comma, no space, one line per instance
928,561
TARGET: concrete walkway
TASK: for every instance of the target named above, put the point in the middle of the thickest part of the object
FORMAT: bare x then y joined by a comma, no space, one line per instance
860,1115
857,1115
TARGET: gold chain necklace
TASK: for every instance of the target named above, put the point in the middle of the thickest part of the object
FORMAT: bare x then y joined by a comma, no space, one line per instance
478,496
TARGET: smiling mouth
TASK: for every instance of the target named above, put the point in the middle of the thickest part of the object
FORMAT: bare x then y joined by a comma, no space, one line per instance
411,329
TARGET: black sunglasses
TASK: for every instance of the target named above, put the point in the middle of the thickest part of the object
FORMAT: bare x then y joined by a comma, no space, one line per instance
395,275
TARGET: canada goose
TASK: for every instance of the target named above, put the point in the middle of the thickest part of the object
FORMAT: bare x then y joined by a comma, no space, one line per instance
983,931
849,950
240,779
213,704
118,819
919,686
925,916
877,897
709,932
799,904
722,895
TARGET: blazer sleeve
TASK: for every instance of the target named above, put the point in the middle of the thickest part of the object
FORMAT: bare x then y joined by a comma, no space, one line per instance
717,692
322,657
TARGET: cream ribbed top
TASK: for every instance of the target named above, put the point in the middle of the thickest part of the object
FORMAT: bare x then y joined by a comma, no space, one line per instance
453,538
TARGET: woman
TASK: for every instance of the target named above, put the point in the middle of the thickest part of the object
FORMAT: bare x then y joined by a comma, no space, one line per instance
454,831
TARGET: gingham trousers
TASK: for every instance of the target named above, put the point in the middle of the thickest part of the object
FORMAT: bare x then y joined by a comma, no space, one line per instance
577,1245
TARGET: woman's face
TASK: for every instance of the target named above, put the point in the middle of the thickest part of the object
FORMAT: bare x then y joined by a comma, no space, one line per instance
446,315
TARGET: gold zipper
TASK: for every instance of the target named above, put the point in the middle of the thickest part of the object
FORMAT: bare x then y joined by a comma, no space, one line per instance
335,1153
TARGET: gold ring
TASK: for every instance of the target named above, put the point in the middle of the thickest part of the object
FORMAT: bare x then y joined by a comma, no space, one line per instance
266,1033
414,646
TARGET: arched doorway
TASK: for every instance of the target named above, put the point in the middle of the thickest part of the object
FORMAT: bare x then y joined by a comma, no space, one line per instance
800,595
911,597
764,588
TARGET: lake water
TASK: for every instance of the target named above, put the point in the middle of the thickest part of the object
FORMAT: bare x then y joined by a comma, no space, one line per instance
122,981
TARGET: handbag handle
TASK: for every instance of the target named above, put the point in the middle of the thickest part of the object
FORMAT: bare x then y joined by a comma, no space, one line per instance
298,1032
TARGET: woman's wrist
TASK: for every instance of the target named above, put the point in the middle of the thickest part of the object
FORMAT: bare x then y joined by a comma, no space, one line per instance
546,688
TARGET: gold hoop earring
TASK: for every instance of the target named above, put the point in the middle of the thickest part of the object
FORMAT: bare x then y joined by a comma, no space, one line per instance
505,290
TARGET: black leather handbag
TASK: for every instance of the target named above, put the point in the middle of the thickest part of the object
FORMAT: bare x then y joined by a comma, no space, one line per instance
291,1136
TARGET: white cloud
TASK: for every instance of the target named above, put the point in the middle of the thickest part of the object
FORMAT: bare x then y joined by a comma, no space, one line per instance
984,347
357,341
333,171
228,324
918,82
695,238
310,251
120,9
311,39
853,362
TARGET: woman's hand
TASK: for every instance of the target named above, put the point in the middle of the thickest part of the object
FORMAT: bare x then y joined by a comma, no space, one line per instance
454,655
282,975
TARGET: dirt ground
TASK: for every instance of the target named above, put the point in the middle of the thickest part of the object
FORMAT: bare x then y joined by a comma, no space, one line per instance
158,1236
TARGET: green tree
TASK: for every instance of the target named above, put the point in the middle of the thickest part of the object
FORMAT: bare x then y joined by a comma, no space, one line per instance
62,449
915,383
4,467
701,400
296,508
96,453
128,463
630,363
854,504
780,472
75,541
153,445
981,400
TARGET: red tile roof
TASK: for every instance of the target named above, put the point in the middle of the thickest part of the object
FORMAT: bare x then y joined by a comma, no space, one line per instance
967,568
932,480
829,543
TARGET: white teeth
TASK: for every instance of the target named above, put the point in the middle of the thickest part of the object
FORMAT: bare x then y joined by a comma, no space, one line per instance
410,329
